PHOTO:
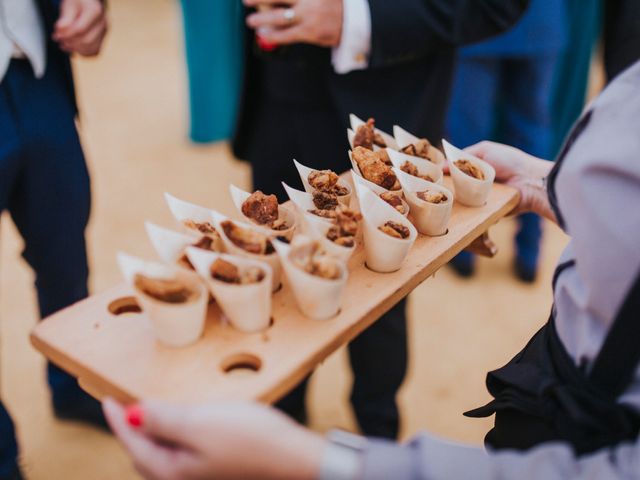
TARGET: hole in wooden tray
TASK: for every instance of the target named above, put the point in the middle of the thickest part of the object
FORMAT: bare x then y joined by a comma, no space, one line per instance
241,363
123,305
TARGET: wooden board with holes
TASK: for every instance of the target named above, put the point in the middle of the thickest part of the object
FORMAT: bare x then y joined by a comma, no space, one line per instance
112,351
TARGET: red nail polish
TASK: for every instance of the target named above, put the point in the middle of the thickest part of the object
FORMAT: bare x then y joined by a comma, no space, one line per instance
134,416
264,45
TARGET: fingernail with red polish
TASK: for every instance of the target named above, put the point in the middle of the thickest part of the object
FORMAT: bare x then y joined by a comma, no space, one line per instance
264,45
134,416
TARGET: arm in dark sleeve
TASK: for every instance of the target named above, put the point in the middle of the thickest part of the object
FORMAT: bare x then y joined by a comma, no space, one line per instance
621,35
403,30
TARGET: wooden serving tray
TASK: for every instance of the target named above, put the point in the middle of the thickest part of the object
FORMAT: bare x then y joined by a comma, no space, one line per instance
113,352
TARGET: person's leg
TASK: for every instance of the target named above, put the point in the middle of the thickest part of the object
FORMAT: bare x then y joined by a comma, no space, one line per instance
10,161
379,361
50,206
471,117
527,125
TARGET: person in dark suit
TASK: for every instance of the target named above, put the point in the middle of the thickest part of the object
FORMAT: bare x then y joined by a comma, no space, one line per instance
44,183
388,60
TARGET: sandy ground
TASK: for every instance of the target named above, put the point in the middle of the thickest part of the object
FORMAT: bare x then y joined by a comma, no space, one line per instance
133,128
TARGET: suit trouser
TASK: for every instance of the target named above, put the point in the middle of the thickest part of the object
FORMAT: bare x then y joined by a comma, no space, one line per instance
44,185
506,99
317,138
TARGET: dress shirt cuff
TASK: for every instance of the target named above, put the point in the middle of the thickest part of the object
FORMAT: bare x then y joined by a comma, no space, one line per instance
355,44
343,456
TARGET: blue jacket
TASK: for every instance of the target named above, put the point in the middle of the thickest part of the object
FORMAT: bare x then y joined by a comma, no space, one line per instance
541,30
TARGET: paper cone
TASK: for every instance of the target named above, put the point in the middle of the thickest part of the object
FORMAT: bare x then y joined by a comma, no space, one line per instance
317,298
404,138
377,189
170,245
469,191
318,231
230,247
303,202
248,307
239,196
304,172
178,324
384,253
429,218
355,122
425,167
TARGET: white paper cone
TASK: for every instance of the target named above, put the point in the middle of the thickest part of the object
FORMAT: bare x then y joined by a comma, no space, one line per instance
384,253
183,211
318,231
355,122
378,190
429,218
248,307
404,138
169,245
317,298
174,324
304,172
271,259
469,191
239,196
425,167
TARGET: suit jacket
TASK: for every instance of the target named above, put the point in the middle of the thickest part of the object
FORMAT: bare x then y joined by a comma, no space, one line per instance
621,35
411,62
50,10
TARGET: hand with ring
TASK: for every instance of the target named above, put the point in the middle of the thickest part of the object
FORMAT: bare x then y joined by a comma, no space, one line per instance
283,22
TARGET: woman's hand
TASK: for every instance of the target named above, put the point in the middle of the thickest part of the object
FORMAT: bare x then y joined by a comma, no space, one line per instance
81,27
230,441
519,170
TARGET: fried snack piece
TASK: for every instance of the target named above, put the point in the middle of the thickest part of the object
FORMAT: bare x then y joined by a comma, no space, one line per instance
261,208
432,196
470,168
395,230
366,136
394,200
229,273
202,227
327,181
346,227
313,260
418,149
374,169
169,290
205,243
247,239
411,169
331,214
325,201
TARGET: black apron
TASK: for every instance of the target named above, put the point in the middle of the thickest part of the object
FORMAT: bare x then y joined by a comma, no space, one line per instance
542,396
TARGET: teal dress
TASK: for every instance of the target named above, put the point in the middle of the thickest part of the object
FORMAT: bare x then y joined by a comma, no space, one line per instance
213,31
572,73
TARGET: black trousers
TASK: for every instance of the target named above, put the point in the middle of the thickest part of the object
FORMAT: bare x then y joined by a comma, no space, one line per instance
316,136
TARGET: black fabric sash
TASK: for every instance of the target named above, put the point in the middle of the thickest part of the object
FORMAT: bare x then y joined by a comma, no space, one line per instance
541,395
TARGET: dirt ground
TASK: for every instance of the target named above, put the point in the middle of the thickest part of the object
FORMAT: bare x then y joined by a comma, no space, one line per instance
133,127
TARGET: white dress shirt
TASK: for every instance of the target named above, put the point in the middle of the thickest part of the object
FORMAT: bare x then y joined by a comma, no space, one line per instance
355,44
21,34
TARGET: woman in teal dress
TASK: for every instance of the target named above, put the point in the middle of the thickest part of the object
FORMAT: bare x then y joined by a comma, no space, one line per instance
213,31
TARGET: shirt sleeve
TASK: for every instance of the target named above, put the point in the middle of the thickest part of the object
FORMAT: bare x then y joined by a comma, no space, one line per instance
428,458
355,44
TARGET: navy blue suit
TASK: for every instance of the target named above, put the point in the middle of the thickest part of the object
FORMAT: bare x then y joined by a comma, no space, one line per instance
44,185
502,92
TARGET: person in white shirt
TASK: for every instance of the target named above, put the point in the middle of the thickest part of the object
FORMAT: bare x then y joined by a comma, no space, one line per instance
44,184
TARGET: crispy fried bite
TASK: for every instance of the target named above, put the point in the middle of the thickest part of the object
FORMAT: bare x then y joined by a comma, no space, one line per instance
315,261
394,200
249,240
470,168
411,169
366,136
228,272
374,169
432,196
395,230
261,208
168,290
